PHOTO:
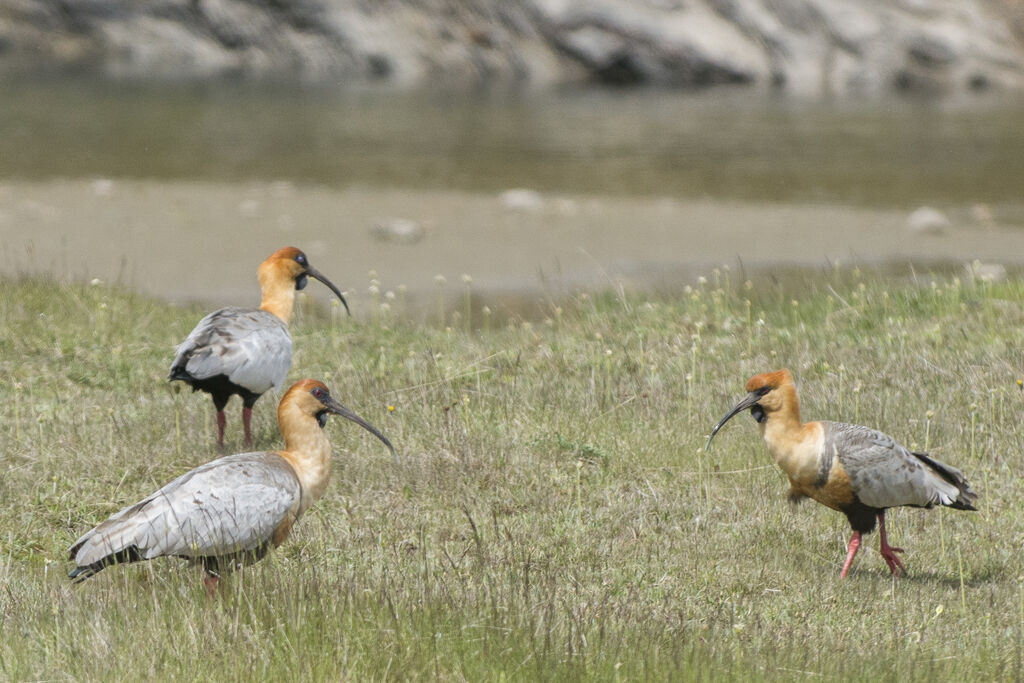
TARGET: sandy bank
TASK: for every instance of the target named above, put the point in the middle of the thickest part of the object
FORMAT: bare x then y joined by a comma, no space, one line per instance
202,241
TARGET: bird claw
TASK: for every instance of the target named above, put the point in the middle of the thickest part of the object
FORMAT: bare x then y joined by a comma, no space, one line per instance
891,559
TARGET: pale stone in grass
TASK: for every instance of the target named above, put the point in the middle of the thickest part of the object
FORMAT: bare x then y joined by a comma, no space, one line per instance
927,221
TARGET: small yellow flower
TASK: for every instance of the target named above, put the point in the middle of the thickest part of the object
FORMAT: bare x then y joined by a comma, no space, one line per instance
391,408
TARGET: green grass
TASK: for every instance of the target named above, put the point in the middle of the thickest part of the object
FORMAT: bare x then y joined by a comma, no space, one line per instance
553,515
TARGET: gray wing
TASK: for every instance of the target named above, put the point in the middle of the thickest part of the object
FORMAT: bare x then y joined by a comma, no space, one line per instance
230,505
884,474
251,347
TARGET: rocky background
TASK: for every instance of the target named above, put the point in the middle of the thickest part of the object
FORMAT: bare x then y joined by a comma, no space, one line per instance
803,47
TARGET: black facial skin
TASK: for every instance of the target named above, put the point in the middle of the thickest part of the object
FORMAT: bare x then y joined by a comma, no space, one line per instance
749,402
321,418
303,279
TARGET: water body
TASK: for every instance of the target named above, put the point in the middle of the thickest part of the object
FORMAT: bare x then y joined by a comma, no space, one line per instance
126,182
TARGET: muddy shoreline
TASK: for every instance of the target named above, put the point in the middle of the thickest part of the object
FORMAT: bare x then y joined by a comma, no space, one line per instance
201,241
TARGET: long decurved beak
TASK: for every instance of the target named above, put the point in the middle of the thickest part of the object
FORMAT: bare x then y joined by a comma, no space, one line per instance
313,272
750,400
333,406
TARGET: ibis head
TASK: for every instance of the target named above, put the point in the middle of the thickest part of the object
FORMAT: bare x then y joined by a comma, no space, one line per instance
291,265
767,393
311,398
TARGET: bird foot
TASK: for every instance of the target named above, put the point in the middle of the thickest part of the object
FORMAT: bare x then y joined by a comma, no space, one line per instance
889,555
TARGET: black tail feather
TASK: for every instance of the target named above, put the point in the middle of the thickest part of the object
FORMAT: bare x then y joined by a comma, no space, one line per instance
965,500
126,556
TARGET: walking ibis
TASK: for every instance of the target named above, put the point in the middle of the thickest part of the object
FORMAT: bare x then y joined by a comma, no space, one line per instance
856,470
232,510
247,351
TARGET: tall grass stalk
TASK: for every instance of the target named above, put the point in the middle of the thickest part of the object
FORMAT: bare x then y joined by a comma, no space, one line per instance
842,391
17,413
441,281
177,429
928,430
467,300
960,570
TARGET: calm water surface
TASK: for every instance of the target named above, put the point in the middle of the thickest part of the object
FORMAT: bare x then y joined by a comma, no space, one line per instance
738,145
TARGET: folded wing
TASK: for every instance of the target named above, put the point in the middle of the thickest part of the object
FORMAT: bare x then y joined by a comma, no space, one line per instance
884,474
226,507
252,348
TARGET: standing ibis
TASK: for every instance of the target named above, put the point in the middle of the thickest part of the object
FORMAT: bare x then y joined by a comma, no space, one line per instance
247,351
232,510
856,470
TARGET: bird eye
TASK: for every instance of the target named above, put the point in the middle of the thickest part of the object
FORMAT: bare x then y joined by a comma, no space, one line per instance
301,260
319,393
763,390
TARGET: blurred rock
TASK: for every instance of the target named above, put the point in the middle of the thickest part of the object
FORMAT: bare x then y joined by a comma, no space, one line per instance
984,272
401,230
102,187
250,208
927,221
521,199
805,47
982,215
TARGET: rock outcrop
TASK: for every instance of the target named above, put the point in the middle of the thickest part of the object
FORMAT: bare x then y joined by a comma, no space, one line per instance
812,47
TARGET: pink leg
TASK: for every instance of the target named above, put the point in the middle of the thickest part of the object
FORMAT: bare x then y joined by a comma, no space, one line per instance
246,417
221,421
888,552
211,583
850,553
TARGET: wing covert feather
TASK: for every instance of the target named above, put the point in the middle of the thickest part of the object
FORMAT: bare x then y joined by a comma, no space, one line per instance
229,505
883,473
253,348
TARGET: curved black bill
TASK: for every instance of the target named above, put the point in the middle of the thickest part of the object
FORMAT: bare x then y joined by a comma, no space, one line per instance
313,272
751,399
333,406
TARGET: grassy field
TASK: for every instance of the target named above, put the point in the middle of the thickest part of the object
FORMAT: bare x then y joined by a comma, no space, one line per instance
553,516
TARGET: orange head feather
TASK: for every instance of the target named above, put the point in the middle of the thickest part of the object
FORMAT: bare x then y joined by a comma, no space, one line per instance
283,265
285,253
771,380
303,386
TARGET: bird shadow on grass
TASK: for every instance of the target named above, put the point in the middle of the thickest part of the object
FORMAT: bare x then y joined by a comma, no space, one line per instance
977,577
